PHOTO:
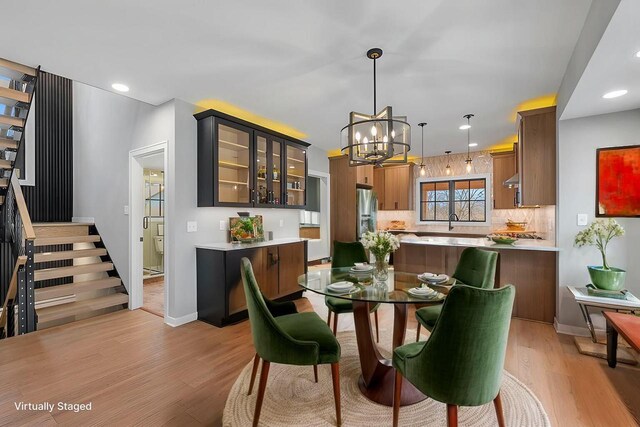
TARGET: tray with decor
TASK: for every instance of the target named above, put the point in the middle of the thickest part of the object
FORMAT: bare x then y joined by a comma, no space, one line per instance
603,293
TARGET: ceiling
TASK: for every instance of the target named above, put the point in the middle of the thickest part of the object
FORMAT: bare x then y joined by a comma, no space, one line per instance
613,66
304,64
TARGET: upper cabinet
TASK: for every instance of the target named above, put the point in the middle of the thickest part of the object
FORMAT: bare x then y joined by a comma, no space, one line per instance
241,164
364,175
504,167
536,157
395,186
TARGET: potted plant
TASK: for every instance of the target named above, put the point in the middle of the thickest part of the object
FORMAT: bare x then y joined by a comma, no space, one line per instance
599,233
380,245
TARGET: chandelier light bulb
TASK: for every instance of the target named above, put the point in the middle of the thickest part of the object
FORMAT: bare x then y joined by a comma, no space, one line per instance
357,136
374,131
385,139
365,140
393,133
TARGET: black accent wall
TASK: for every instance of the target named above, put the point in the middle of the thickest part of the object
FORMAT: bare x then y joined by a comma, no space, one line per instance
51,199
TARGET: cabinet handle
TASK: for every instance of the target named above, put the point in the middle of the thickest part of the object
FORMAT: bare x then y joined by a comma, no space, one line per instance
252,198
366,179
396,205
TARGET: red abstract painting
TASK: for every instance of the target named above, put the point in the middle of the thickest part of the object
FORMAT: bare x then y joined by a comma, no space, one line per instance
618,181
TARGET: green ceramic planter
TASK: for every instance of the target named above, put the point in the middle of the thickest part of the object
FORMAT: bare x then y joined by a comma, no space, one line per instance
611,280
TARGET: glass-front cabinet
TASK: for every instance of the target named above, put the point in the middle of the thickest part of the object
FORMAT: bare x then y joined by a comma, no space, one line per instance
244,165
296,175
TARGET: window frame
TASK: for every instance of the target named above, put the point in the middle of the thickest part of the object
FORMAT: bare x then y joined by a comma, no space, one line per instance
451,181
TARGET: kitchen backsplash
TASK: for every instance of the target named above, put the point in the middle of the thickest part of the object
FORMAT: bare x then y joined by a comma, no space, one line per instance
541,220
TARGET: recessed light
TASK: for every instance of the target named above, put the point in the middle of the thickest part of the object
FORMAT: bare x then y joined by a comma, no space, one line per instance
120,87
473,144
464,127
615,93
638,54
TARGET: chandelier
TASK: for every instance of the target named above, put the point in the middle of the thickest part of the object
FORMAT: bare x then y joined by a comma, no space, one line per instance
376,139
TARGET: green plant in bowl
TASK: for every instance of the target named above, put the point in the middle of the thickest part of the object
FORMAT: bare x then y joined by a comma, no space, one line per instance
503,240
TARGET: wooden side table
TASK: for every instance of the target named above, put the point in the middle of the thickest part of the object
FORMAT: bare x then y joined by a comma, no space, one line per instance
626,325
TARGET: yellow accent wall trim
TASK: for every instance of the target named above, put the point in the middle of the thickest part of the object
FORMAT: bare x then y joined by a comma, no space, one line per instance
548,100
241,113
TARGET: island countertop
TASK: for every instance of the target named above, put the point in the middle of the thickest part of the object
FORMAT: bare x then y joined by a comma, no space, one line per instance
224,246
521,244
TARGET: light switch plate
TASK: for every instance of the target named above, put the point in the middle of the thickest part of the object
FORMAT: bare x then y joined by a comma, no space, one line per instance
126,209
282,223
192,226
583,219
223,225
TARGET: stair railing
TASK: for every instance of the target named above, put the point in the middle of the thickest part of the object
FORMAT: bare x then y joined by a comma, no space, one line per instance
20,235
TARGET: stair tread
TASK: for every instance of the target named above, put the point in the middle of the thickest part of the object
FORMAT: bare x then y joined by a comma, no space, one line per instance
61,311
5,63
60,224
62,255
72,270
5,164
8,143
76,288
45,241
11,121
4,182
15,95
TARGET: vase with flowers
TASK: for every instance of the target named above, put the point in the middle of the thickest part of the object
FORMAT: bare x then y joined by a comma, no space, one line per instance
380,244
599,233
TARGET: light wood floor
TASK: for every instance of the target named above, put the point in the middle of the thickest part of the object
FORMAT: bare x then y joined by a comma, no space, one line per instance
153,296
137,371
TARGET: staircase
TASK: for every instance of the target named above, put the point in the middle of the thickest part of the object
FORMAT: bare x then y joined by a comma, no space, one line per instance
74,275
17,83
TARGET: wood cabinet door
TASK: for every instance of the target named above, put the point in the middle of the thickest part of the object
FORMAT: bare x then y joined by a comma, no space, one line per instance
364,175
538,157
504,167
235,290
378,186
291,262
391,188
398,188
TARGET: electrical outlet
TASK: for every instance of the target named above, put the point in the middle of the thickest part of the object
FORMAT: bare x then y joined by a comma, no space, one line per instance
192,226
582,219
282,223
223,225
126,209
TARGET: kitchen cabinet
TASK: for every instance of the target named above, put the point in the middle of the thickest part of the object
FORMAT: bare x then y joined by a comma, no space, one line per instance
364,175
221,298
343,199
378,186
241,164
504,167
399,185
536,157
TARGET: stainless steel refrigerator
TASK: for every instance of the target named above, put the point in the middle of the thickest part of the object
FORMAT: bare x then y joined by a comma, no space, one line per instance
367,209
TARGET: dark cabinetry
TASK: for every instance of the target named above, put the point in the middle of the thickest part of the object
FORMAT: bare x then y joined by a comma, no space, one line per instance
241,164
221,298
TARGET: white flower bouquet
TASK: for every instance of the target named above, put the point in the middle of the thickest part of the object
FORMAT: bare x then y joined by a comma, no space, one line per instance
599,233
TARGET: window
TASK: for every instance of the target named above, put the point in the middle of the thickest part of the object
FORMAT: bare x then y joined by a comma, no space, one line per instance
467,198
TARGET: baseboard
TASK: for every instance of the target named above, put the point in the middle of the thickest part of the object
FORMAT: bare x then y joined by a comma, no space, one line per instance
84,219
178,321
572,330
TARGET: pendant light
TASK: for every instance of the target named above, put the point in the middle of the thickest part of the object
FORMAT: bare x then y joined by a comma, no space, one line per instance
468,127
379,138
448,168
423,168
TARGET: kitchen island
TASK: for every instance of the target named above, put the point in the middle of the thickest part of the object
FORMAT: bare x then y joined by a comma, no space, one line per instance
530,265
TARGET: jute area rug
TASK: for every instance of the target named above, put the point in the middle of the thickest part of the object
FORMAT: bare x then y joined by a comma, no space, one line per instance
292,398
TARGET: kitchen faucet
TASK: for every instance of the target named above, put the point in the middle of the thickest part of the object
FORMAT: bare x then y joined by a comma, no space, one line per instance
455,217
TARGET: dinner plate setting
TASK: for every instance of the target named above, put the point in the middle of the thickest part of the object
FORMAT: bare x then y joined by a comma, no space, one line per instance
341,287
423,292
432,278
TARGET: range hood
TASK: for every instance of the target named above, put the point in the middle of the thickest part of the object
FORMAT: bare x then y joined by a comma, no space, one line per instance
512,182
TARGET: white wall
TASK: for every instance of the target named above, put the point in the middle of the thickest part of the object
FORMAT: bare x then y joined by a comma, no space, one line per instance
106,126
577,143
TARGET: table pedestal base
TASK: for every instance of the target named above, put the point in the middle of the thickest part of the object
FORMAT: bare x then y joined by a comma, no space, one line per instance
378,375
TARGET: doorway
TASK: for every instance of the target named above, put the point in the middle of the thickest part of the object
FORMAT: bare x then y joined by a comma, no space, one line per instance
148,224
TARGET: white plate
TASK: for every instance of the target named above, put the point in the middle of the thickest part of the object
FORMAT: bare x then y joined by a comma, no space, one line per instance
340,286
433,278
362,267
422,291
433,295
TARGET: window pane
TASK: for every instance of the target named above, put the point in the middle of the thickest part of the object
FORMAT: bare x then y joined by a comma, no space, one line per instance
427,191
462,210
427,211
478,191
442,211
478,212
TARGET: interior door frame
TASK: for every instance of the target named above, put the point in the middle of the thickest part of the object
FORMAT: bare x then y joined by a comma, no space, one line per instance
136,214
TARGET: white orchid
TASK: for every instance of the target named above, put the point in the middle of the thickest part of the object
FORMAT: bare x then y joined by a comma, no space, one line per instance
599,233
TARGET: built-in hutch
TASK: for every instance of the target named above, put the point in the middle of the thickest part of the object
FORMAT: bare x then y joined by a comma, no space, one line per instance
241,164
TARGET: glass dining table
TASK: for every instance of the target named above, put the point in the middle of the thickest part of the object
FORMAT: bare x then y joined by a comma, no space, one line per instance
377,379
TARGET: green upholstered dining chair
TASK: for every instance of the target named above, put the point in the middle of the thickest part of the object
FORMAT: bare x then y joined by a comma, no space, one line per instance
477,268
346,254
293,339
461,363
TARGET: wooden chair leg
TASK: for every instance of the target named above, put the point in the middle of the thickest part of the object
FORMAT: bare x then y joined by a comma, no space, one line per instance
329,319
375,316
264,373
397,395
497,403
452,415
418,332
315,372
256,362
335,376
335,324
